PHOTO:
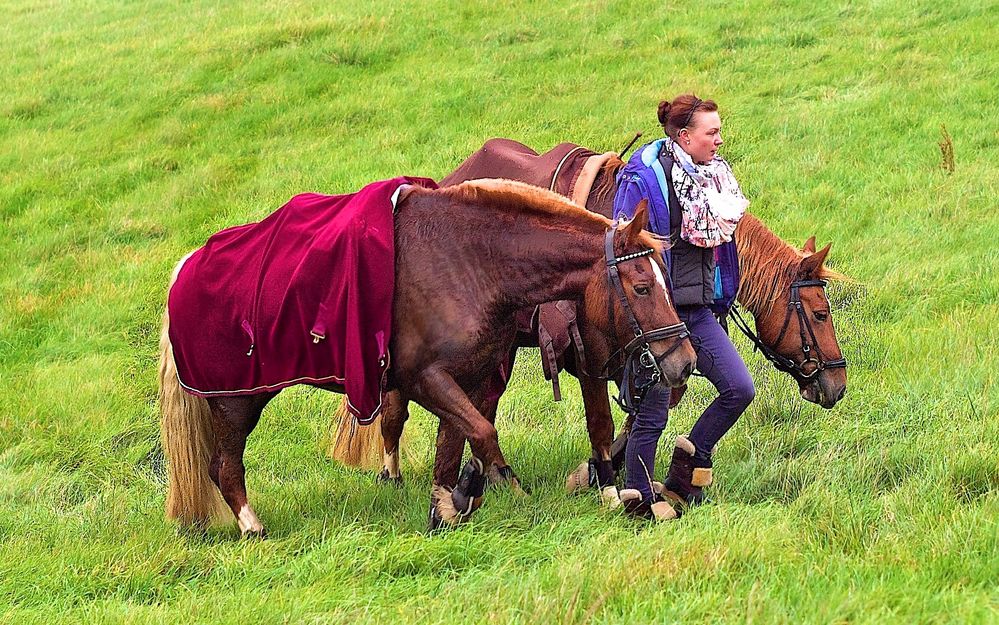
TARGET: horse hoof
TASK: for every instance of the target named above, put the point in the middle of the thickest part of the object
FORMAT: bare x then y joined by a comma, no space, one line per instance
434,523
252,534
383,477
508,476
578,480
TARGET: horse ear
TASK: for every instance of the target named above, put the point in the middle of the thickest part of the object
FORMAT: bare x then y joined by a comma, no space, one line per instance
638,223
812,265
809,245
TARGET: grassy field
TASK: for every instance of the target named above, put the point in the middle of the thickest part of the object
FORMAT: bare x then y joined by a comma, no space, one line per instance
131,131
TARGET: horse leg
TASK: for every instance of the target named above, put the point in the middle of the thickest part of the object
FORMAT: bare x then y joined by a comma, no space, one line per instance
460,419
394,417
233,418
599,470
620,443
447,508
486,400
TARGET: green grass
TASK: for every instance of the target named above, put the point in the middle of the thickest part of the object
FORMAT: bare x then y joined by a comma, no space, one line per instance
129,132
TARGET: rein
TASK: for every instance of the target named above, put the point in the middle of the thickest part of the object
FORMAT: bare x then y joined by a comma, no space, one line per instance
637,356
811,351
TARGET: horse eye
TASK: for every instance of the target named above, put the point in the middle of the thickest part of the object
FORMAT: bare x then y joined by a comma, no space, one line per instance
821,316
641,289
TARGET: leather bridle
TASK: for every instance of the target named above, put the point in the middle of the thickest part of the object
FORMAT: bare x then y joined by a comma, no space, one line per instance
809,344
637,359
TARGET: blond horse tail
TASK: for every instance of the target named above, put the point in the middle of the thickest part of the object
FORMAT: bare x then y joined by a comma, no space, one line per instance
356,445
188,442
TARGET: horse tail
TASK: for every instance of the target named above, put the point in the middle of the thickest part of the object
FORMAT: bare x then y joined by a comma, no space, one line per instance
356,445
188,441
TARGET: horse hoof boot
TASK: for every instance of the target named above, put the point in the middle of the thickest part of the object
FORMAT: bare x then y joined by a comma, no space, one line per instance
578,480
689,473
610,497
449,508
467,495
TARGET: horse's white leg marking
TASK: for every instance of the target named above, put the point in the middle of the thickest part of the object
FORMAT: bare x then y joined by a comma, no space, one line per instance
659,277
391,461
248,521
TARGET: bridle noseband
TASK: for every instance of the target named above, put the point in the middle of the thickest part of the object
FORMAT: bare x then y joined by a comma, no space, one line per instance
637,356
811,351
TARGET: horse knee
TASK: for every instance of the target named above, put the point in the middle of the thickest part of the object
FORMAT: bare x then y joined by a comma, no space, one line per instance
484,436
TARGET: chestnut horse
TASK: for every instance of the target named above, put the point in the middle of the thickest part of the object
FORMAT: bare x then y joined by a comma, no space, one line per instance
467,258
776,280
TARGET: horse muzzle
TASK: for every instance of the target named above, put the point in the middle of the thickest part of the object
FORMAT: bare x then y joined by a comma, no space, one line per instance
824,390
677,362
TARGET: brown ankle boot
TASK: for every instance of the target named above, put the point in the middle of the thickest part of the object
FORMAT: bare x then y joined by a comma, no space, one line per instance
654,509
688,473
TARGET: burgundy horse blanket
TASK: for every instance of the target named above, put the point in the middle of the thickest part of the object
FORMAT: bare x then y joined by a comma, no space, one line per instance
302,297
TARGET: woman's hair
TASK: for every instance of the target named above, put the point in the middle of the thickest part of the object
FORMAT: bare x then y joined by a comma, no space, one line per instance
677,114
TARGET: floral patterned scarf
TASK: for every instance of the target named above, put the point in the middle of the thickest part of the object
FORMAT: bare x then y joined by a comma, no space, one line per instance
710,199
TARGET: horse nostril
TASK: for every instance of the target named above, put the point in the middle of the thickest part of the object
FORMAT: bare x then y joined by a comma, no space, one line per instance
842,394
688,370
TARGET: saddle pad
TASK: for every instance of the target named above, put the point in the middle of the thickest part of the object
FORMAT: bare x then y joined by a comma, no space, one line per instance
302,297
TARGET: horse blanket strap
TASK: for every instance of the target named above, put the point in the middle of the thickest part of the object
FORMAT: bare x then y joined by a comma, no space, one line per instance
302,297
812,354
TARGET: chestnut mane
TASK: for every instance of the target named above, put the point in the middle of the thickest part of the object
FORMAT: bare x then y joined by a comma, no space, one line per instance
768,265
607,179
514,196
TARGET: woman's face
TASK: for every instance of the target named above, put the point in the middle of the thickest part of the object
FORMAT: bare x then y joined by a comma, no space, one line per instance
702,138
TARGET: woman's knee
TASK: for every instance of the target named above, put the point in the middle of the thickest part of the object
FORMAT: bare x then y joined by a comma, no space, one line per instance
741,392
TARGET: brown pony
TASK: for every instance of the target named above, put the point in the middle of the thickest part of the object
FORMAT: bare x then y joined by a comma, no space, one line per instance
467,258
768,269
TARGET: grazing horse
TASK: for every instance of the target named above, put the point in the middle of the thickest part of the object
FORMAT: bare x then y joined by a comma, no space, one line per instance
466,259
781,287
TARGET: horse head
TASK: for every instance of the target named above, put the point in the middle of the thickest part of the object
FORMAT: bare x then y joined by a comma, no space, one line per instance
627,300
799,327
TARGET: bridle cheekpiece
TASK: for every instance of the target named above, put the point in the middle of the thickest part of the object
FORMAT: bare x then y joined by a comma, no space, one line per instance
637,356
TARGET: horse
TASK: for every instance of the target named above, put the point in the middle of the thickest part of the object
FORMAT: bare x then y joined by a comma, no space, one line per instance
467,258
782,288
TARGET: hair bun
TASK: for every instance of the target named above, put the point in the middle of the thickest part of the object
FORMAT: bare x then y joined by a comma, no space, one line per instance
664,107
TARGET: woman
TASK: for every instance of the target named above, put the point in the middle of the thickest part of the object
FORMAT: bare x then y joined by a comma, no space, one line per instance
696,202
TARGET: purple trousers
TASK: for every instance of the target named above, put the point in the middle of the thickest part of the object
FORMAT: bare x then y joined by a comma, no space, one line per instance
721,364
